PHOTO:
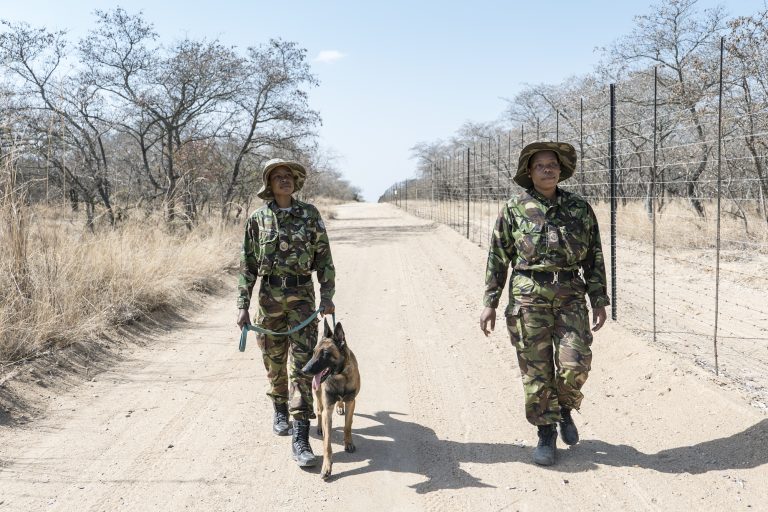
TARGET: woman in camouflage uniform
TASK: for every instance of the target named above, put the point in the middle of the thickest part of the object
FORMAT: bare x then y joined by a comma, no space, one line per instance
285,241
551,239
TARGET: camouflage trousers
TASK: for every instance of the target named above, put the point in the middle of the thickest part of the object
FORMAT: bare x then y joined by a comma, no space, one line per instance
548,325
281,309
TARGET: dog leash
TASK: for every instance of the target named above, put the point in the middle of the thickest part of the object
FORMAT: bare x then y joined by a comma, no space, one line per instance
261,330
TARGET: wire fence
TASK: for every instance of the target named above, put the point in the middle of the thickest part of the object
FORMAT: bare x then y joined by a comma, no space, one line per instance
681,202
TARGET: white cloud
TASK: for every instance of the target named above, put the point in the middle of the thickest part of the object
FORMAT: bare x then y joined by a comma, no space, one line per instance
329,56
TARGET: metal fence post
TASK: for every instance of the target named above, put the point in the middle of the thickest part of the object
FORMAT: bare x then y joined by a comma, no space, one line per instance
469,157
431,192
653,193
612,150
581,145
474,207
719,195
498,173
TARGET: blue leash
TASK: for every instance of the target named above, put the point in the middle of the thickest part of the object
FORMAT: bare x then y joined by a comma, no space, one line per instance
249,327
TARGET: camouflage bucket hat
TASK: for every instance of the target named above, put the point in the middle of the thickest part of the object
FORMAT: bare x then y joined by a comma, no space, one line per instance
566,155
298,170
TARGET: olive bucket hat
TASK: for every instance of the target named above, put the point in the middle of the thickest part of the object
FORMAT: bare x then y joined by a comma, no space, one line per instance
298,170
566,155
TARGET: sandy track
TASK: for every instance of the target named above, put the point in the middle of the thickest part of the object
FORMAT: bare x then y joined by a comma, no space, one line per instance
183,423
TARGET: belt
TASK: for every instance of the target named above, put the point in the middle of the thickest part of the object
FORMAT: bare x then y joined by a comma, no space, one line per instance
288,281
549,277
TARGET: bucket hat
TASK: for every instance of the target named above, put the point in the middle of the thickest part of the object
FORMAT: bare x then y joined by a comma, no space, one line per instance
566,155
298,170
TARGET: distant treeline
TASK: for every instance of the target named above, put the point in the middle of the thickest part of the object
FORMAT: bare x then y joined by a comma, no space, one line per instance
677,122
117,121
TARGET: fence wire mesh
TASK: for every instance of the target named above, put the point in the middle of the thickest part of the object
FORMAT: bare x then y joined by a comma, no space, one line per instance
690,216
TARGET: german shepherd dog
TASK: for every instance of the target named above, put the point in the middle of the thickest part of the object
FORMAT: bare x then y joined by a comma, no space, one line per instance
336,381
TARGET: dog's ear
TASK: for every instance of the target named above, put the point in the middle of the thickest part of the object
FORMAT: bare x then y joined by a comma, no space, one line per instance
327,333
338,336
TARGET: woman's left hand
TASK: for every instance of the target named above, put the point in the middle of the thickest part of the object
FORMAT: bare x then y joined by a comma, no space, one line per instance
598,318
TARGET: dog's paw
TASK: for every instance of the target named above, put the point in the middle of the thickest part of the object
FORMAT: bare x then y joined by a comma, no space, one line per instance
349,447
325,472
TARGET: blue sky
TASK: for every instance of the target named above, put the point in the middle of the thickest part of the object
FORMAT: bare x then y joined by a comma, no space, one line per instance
392,73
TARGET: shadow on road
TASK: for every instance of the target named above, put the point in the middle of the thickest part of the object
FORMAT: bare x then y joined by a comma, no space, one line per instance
743,450
398,446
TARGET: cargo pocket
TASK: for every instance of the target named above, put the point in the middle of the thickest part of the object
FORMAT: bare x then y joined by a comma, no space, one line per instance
514,314
529,241
261,341
575,249
303,250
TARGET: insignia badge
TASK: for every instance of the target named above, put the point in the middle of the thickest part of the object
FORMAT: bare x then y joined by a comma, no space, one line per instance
552,236
283,245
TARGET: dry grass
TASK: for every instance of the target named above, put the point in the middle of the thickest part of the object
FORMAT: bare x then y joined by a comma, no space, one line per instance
325,206
60,283
677,227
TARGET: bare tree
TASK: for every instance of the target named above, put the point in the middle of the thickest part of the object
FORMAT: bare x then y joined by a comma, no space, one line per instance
36,57
749,74
683,45
184,124
530,108
272,110
177,99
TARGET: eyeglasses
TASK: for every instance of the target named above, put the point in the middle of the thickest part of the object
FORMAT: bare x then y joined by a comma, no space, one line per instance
552,166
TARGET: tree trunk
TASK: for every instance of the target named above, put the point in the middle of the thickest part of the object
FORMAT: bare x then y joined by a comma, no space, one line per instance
691,186
89,217
170,196
103,189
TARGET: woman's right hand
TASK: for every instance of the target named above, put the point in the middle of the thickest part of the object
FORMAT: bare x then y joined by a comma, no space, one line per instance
243,318
487,316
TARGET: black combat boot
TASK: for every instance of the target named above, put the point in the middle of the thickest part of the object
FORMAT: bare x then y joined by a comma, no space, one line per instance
544,454
302,452
280,425
568,431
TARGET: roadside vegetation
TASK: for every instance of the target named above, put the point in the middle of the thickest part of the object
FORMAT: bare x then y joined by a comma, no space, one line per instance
61,284
128,166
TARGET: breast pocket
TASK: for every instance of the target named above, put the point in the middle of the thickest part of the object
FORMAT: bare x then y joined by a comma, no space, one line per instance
267,245
267,229
301,252
528,242
574,240
267,237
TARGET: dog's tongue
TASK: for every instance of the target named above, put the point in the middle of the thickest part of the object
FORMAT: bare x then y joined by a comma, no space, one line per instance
317,378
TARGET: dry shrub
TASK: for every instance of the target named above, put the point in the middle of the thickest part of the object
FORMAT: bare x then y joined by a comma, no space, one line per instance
80,284
678,227
14,268
325,206
60,283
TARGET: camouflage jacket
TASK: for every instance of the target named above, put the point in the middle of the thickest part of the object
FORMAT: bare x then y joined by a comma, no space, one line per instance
532,233
285,243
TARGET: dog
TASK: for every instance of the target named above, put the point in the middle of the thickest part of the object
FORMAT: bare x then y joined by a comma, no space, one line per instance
336,381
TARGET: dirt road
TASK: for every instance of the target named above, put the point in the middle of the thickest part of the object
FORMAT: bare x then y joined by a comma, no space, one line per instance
183,423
